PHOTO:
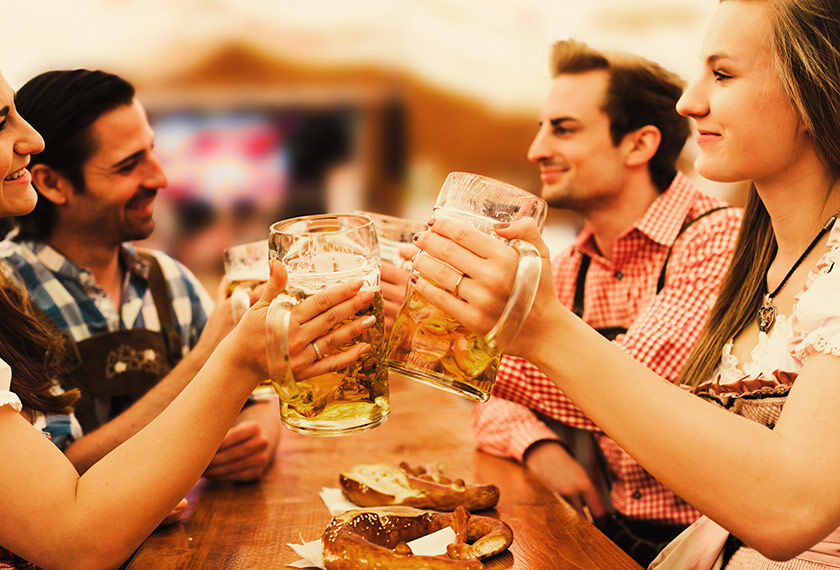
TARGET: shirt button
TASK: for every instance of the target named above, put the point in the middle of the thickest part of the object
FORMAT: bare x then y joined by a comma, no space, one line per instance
618,275
637,494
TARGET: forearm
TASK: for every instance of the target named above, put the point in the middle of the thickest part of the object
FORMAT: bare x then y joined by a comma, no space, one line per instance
90,448
180,442
694,448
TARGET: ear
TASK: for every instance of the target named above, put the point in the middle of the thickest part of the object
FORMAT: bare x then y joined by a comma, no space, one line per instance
51,184
641,145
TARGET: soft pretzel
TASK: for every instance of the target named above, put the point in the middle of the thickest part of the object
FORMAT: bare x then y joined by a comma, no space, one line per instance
376,538
425,488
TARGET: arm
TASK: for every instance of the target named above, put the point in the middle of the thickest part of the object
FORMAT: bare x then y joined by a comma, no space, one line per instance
662,334
97,519
88,449
774,489
508,429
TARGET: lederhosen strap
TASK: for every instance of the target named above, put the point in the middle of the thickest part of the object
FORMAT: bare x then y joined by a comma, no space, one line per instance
118,367
164,308
610,333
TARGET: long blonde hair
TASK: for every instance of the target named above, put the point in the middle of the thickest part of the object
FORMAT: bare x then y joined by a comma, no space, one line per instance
806,52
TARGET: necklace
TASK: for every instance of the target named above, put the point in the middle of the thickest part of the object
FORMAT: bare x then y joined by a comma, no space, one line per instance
766,316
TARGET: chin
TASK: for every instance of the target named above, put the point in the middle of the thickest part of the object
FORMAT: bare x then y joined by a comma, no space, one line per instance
716,172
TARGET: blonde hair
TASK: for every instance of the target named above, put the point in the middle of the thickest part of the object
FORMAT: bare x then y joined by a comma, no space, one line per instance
806,52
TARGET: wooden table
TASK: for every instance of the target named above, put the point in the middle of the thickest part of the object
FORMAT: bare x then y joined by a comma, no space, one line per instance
248,526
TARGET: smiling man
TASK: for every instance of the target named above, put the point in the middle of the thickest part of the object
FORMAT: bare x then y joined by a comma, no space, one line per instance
643,271
142,324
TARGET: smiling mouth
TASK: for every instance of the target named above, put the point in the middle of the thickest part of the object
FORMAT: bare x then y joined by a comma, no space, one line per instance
16,174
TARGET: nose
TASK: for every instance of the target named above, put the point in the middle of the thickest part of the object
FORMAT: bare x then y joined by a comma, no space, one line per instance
154,177
29,141
539,149
693,102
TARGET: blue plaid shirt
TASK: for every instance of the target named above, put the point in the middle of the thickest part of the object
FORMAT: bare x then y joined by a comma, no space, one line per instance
75,303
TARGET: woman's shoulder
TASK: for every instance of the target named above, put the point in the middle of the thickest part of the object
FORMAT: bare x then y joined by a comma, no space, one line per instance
816,314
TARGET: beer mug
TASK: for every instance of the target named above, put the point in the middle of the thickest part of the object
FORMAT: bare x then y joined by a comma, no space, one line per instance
246,266
428,345
393,232
320,251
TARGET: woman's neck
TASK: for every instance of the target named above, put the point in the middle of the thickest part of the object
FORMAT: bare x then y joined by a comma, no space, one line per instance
799,205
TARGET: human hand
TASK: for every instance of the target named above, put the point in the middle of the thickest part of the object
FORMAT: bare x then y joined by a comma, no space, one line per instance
219,322
242,455
313,319
394,281
489,268
176,513
561,474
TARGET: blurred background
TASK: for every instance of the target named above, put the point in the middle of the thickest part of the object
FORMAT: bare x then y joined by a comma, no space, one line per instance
266,109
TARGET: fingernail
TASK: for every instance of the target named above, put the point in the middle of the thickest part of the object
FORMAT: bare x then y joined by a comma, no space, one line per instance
431,222
365,348
357,284
501,225
415,237
413,278
367,295
368,320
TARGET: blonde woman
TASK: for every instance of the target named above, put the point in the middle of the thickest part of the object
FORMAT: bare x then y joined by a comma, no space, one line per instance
759,451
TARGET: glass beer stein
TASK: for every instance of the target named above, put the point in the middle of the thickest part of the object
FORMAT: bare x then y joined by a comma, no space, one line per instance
392,233
320,251
428,345
246,266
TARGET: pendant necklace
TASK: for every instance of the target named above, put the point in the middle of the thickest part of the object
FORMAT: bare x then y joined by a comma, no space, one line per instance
766,316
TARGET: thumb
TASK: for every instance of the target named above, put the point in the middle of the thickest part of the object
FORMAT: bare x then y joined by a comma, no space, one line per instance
526,230
276,282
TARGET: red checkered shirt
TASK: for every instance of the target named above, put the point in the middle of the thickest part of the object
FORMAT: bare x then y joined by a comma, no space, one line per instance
661,331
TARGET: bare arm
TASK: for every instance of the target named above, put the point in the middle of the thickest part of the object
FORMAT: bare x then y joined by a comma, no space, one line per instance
97,519
88,449
774,489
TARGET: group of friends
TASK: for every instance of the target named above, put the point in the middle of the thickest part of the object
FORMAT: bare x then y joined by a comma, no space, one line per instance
696,343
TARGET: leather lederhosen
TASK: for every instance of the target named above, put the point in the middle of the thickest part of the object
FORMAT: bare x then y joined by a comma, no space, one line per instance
611,332
117,368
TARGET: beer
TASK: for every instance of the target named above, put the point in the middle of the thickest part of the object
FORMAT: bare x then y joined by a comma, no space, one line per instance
347,400
429,345
319,252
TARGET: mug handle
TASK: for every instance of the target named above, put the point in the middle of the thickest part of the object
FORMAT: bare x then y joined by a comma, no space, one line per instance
521,297
277,325
240,301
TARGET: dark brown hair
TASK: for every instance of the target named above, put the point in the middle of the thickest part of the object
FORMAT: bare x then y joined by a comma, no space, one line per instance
806,50
36,351
639,93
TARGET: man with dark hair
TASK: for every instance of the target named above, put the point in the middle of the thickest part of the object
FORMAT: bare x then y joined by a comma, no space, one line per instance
141,322
643,271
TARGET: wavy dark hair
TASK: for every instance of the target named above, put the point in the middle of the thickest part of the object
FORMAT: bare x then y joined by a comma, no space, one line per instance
37,352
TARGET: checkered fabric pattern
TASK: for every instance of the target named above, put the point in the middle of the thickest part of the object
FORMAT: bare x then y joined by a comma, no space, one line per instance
75,303
661,331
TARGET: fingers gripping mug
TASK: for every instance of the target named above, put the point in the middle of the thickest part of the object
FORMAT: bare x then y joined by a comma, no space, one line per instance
428,345
320,251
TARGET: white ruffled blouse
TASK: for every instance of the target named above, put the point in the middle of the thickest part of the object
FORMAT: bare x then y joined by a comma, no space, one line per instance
7,397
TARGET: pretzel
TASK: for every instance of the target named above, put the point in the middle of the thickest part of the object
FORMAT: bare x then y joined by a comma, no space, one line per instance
376,538
422,487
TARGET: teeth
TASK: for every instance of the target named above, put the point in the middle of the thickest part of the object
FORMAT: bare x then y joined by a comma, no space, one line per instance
15,175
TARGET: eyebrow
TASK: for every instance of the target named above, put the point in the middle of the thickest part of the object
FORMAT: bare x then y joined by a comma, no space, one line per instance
715,57
558,120
127,160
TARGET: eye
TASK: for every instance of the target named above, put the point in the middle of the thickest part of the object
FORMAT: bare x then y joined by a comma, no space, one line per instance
720,75
3,124
560,130
127,167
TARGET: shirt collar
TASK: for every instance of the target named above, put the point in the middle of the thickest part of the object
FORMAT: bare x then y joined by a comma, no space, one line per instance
58,264
661,222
